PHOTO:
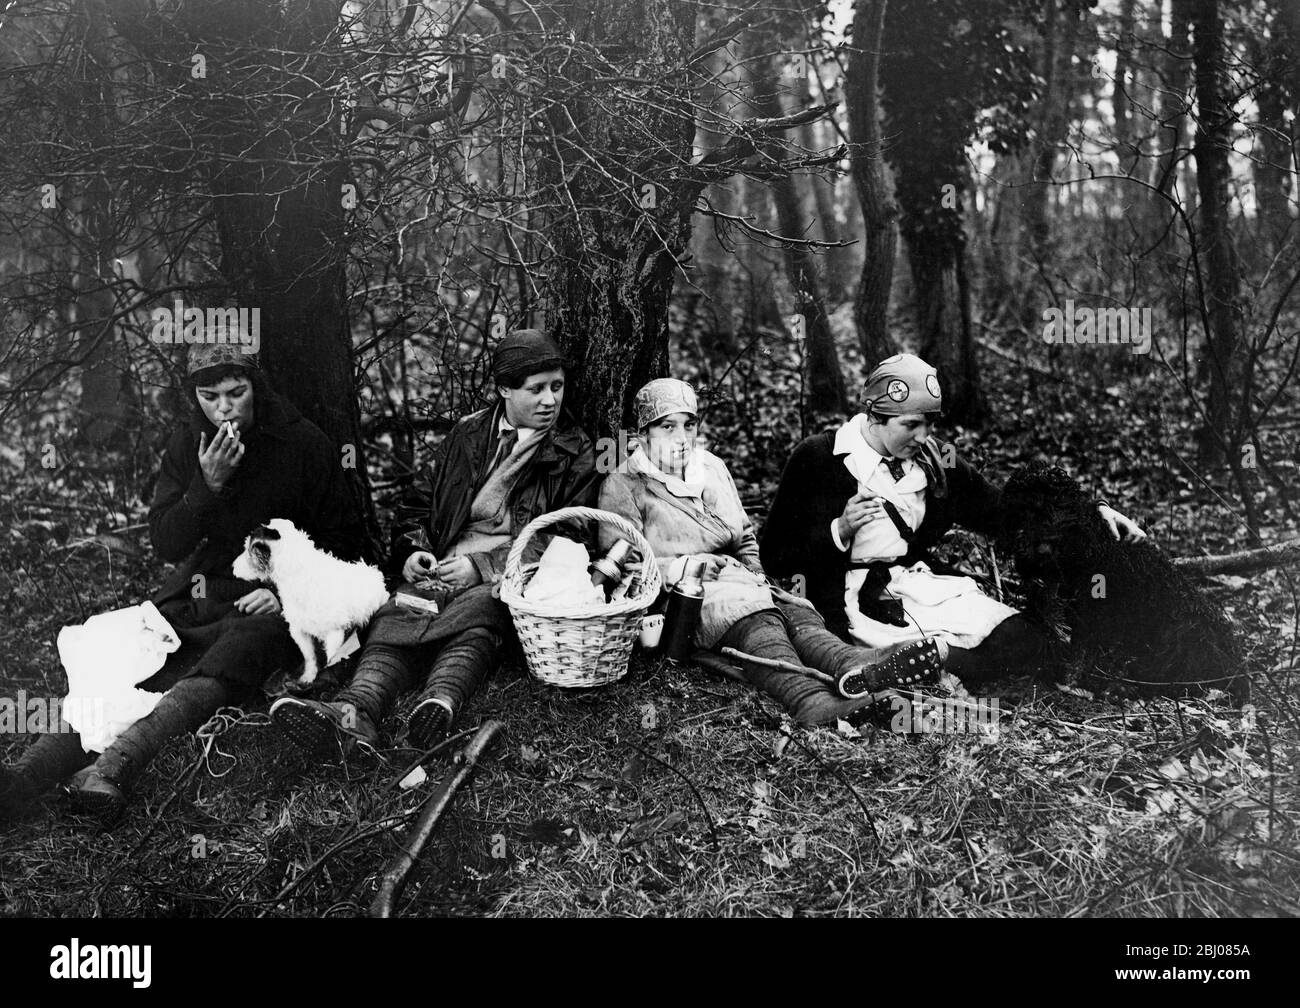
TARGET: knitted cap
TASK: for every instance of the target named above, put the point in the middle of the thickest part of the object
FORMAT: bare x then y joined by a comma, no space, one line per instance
525,352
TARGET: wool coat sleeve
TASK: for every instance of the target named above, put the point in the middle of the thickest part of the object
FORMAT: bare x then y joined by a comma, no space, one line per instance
413,518
972,502
797,535
183,505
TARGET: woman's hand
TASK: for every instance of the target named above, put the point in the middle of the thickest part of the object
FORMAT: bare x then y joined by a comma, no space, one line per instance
219,458
458,573
861,508
419,565
715,563
258,602
1120,526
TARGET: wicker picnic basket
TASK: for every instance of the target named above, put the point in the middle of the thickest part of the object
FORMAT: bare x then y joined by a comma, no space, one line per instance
579,645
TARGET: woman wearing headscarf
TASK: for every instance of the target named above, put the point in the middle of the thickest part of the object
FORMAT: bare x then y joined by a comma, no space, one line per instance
500,468
244,456
858,510
683,500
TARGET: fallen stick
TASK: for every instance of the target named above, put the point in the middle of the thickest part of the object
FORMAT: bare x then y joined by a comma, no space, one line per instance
395,875
1243,561
774,663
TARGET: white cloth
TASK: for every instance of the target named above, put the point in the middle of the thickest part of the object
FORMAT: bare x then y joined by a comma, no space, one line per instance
562,576
105,658
934,605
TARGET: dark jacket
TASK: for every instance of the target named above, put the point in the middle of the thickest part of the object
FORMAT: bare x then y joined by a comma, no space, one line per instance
561,473
290,470
813,491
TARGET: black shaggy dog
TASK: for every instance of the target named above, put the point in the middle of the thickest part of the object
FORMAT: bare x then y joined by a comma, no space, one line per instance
1132,619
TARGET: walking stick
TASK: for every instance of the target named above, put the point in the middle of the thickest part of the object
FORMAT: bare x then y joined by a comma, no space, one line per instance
394,877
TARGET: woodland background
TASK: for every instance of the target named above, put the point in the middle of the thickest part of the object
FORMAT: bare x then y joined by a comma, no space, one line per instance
762,198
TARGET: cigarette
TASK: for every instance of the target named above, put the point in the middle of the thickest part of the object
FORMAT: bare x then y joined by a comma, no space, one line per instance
230,429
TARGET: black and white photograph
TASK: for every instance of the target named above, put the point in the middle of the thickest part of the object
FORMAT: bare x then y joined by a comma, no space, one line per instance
650,459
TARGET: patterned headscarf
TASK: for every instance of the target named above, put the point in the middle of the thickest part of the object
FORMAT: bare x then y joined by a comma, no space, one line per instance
902,384
661,397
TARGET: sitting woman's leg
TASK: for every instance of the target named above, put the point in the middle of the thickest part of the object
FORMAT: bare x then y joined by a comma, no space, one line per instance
809,701
244,651
459,670
183,708
51,759
858,670
1015,646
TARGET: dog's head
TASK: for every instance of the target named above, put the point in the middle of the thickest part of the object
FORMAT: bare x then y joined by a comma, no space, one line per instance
1045,515
276,538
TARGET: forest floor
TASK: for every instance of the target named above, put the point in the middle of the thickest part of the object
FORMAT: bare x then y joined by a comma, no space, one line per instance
676,793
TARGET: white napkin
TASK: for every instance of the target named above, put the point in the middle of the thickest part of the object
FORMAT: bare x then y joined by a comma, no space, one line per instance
105,658
562,576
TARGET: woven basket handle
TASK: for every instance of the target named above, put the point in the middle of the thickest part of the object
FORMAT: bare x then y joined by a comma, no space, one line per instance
515,558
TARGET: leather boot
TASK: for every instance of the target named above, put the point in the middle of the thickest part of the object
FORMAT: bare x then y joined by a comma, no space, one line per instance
457,673
384,673
182,709
51,759
860,671
808,701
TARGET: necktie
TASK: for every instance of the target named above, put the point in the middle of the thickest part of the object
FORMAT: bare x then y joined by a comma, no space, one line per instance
895,468
509,438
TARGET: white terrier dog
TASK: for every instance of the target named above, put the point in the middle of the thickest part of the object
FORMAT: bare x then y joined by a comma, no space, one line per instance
321,596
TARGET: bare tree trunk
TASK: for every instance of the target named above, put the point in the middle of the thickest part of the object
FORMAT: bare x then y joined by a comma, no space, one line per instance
1221,270
1173,104
607,298
825,378
1120,100
871,178
1273,169
824,192
1060,34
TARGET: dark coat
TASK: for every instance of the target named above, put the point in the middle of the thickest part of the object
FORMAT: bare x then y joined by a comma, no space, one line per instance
561,473
290,470
813,491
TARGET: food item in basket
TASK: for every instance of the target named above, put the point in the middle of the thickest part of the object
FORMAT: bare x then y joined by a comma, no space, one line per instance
610,571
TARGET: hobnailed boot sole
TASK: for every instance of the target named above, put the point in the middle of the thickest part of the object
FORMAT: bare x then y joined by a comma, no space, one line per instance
99,798
429,724
915,665
303,724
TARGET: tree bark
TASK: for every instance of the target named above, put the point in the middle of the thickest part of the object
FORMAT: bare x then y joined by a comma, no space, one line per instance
620,225
826,393
871,179
1220,267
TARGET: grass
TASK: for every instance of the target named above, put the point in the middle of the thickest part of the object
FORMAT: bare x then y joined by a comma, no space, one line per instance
675,793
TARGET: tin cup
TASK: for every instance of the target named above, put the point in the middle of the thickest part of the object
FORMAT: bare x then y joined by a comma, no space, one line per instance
652,628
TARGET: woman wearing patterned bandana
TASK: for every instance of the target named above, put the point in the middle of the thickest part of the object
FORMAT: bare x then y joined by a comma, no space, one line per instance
858,510
683,500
